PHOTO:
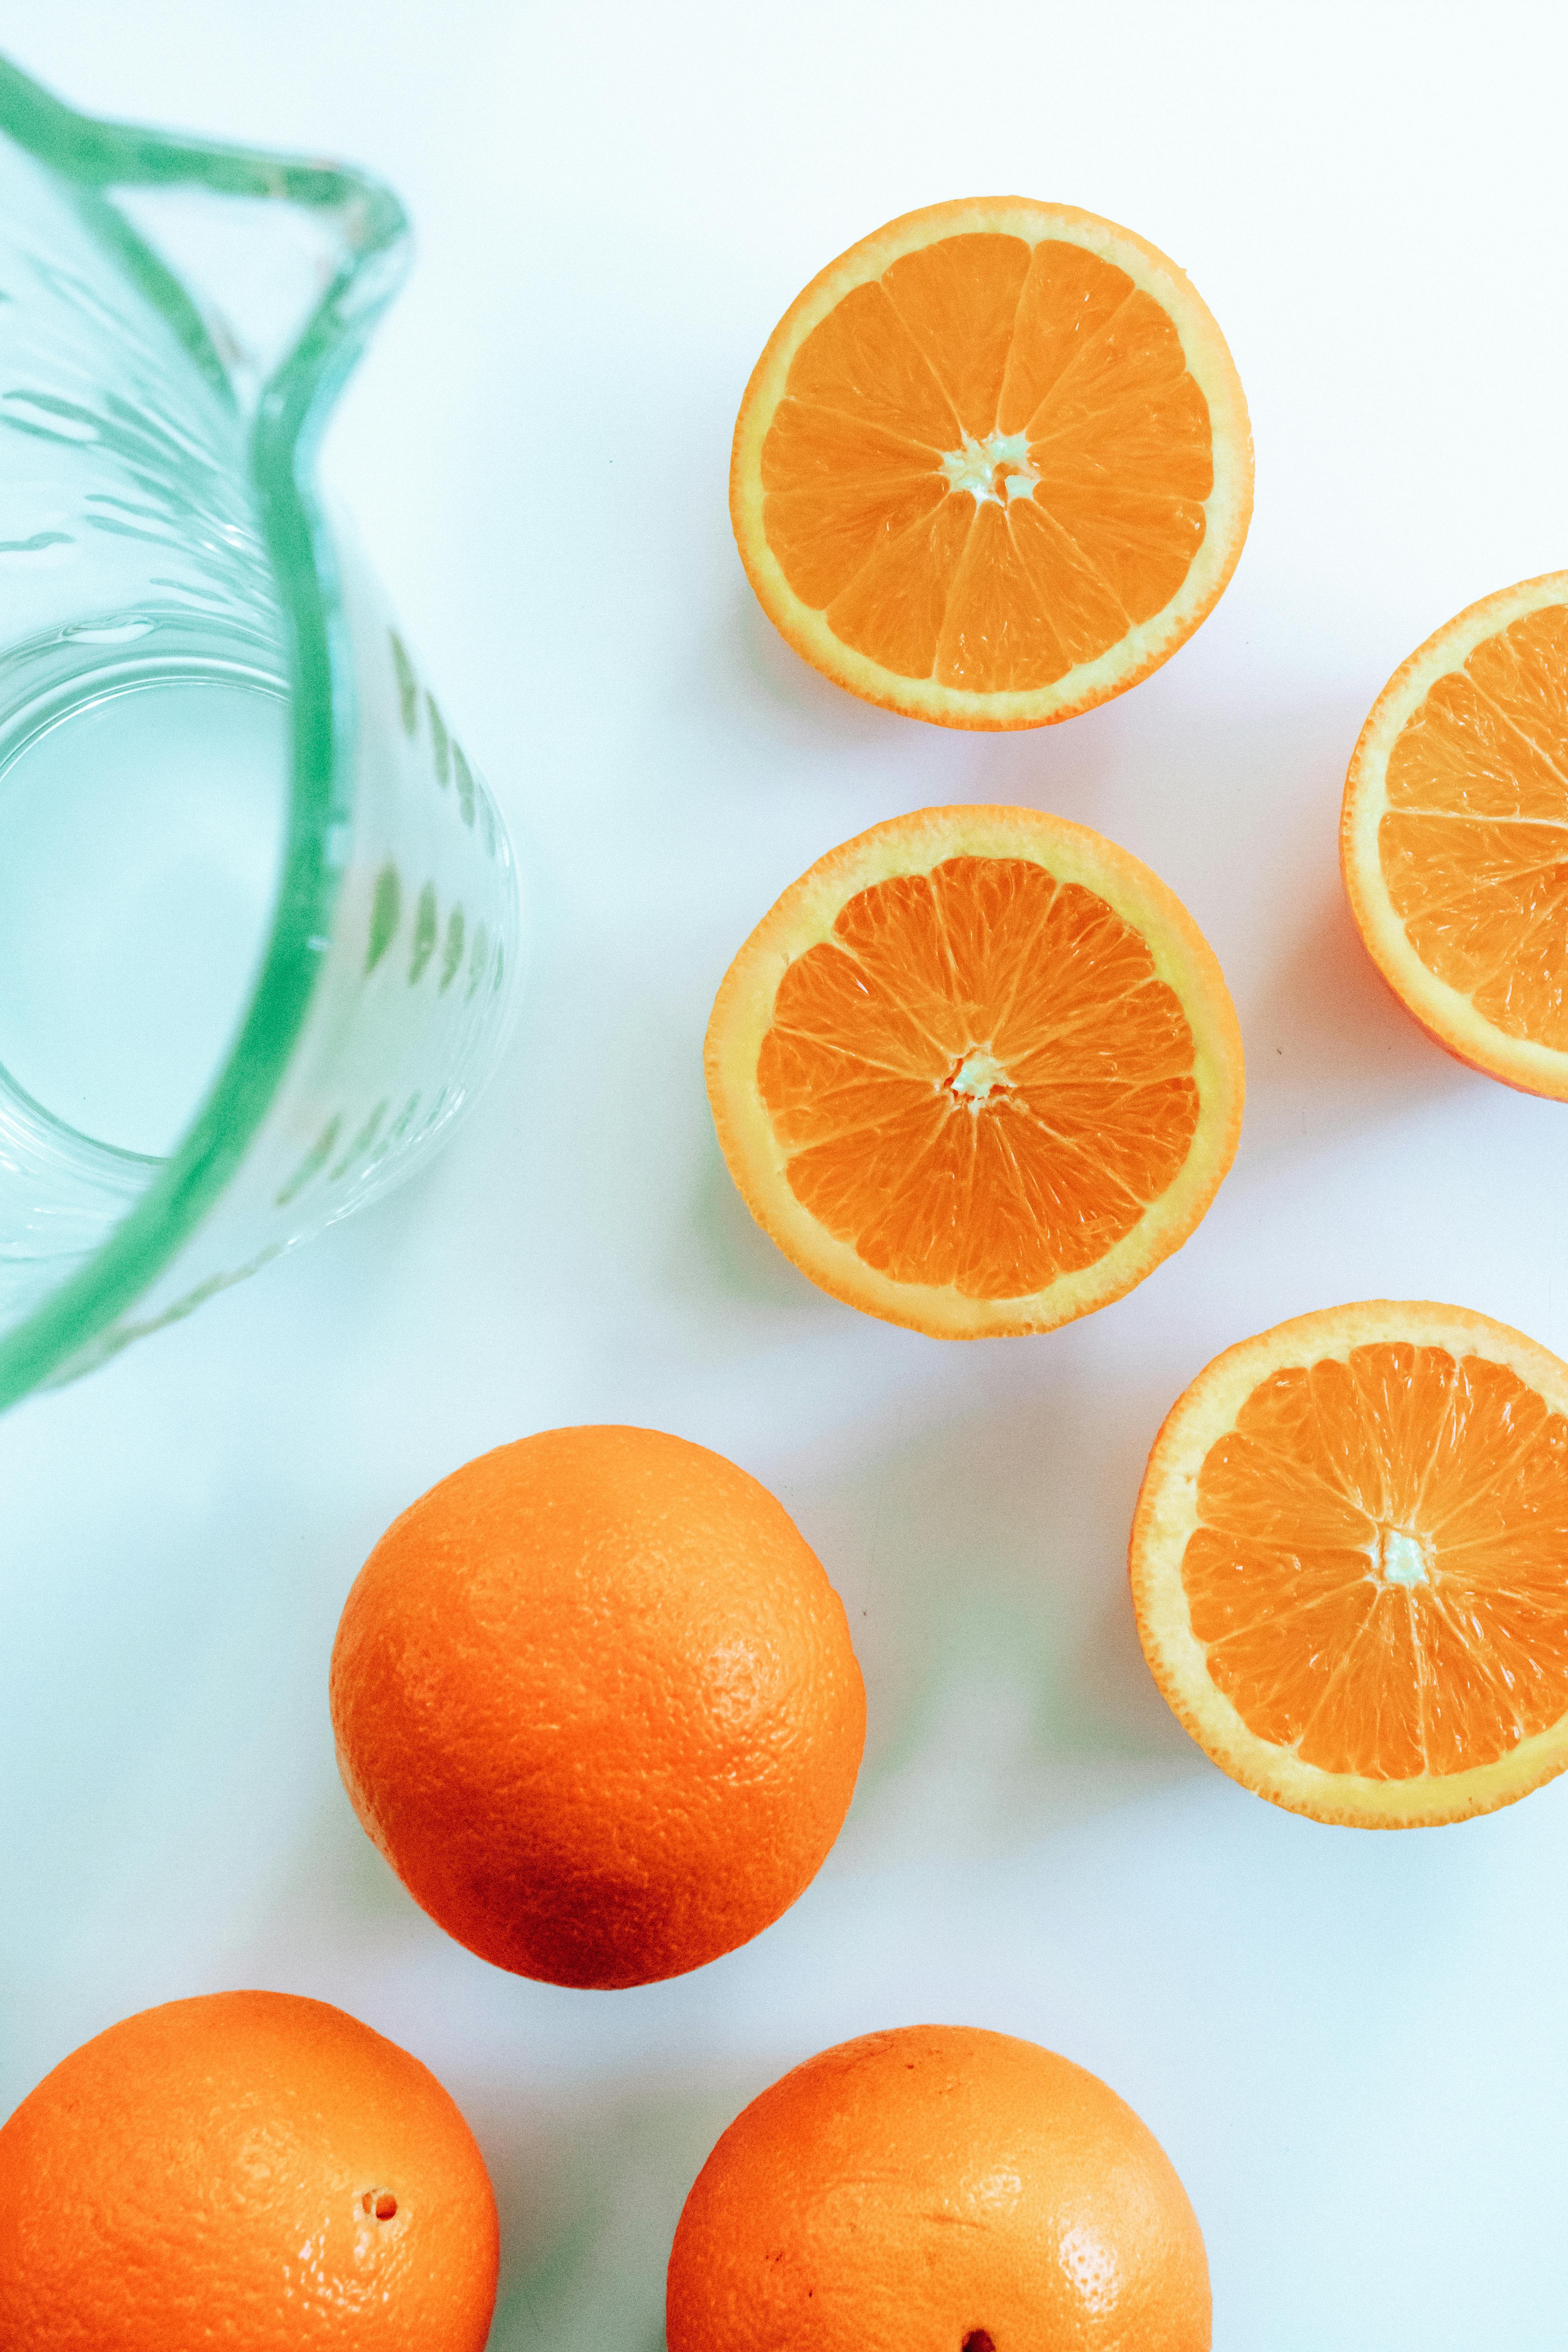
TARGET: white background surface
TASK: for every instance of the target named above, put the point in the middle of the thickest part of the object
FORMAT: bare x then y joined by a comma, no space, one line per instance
1352,2046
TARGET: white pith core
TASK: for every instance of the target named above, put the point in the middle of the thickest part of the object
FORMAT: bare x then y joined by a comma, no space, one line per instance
1403,1559
977,1078
998,469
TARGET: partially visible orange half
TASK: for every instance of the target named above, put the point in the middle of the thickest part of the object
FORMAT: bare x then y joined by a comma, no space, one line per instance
977,1072
1453,838
1349,1564
993,465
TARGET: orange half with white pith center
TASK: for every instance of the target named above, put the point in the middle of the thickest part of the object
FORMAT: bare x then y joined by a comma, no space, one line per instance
1454,835
993,465
977,1072
1349,1564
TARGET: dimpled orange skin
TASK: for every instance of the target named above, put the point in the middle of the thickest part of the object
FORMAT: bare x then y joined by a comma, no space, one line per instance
209,2172
937,2188
595,1702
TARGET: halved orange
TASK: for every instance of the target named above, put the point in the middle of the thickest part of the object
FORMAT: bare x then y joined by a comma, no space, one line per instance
993,466
977,1072
1349,1564
1454,838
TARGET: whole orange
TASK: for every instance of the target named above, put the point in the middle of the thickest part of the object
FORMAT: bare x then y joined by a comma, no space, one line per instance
942,2189
248,2169
595,1702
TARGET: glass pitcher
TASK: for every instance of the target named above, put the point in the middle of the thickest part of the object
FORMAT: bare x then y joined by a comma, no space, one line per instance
259,916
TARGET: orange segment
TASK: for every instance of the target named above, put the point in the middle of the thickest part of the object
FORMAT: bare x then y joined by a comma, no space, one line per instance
863,362
894,607
1349,1564
996,617
959,299
1454,838
830,537
976,1072
993,465
1066,312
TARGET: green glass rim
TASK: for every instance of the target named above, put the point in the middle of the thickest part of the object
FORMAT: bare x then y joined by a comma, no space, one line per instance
89,156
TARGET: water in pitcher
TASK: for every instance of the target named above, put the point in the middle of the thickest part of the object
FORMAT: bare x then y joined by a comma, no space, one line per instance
144,828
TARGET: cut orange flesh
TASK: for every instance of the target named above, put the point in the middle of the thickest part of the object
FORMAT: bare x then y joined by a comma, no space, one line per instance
1349,1564
977,1072
993,466
1455,835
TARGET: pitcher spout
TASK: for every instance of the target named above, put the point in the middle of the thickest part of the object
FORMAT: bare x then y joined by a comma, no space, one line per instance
271,268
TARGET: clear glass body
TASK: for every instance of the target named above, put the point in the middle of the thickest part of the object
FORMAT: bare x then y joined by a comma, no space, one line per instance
259,915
